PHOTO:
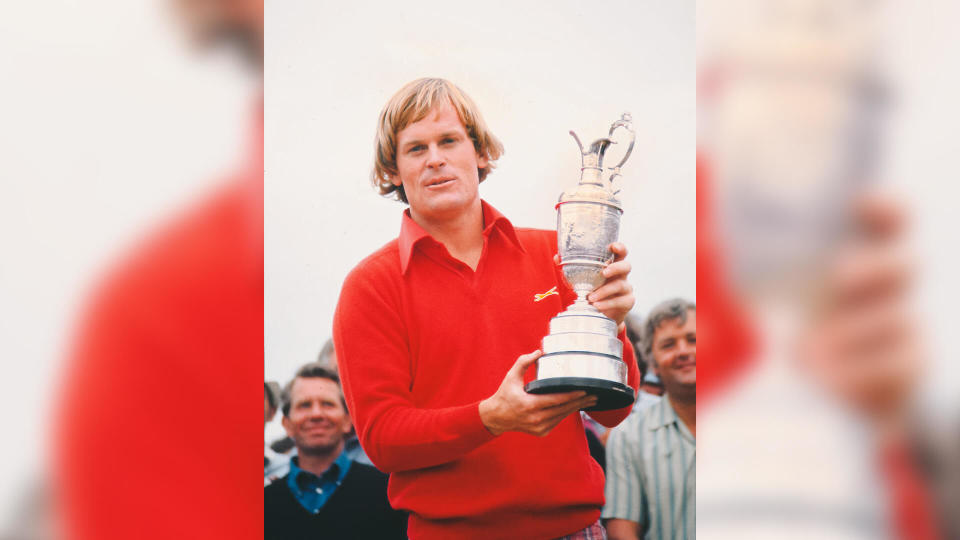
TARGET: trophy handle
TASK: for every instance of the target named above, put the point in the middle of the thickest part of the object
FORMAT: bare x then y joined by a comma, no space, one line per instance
578,141
625,122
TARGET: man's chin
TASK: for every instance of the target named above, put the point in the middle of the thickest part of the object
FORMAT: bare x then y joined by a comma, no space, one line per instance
318,447
688,378
682,387
445,205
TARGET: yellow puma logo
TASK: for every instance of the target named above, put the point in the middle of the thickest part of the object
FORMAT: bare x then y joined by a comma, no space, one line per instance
539,297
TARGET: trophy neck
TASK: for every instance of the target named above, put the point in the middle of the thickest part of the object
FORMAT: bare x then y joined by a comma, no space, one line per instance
590,174
581,303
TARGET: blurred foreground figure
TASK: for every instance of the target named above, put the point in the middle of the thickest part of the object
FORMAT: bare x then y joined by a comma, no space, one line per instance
814,350
326,494
154,436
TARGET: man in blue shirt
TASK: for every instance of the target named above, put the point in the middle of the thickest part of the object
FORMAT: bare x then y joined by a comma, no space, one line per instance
326,494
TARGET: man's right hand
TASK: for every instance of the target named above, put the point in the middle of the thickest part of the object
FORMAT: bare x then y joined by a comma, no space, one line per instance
511,408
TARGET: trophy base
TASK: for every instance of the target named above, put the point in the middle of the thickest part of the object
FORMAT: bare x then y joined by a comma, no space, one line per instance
610,394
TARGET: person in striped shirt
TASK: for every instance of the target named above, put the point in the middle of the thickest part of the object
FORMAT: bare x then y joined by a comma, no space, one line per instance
651,457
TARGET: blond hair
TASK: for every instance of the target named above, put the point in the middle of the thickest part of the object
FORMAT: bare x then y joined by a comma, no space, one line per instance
413,103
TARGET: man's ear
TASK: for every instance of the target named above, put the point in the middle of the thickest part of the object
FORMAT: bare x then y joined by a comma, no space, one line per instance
287,426
482,161
395,180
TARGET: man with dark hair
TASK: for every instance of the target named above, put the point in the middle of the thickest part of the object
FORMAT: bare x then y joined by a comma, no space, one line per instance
326,494
434,333
275,464
652,456
651,388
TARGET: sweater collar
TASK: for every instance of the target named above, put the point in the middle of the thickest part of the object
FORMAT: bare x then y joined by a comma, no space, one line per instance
412,234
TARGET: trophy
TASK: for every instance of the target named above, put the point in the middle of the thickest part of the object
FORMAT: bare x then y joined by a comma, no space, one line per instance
582,351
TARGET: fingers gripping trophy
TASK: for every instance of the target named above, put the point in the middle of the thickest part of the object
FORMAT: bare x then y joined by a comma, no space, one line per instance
582,351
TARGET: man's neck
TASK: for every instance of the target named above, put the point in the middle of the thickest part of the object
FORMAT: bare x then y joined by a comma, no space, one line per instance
462,234
686,409
318,461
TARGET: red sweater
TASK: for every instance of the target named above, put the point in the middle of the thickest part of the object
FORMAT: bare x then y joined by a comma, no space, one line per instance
421,339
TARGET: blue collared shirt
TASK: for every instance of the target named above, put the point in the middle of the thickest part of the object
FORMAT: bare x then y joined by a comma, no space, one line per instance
312,491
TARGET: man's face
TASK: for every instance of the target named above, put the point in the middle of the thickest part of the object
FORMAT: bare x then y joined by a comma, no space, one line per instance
437,166
234,22
317,422
675,351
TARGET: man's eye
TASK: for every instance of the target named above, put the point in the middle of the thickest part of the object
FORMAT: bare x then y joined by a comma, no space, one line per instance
415,149
448,140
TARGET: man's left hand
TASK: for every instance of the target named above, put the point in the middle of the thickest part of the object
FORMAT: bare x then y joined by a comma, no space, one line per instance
615,297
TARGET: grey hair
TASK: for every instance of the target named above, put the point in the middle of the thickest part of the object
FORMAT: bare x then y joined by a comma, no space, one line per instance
675,308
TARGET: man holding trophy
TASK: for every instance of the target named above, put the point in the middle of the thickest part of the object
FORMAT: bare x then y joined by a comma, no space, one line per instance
433,333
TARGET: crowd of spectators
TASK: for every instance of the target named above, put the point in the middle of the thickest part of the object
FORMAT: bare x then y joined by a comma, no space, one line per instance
343,495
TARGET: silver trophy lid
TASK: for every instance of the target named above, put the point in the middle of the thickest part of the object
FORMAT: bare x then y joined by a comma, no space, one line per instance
593,187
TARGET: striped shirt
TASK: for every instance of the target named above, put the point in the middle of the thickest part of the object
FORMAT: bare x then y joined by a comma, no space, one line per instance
651,473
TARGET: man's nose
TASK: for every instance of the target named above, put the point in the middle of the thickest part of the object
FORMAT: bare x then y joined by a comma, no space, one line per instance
434,157
686,348
318,411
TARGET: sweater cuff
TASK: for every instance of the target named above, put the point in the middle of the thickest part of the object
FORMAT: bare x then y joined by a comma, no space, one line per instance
478,433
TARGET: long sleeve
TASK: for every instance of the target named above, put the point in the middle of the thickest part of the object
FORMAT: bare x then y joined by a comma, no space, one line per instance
376,368
421,339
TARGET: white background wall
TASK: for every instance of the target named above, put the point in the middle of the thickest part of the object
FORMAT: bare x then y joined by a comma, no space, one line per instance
535,73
